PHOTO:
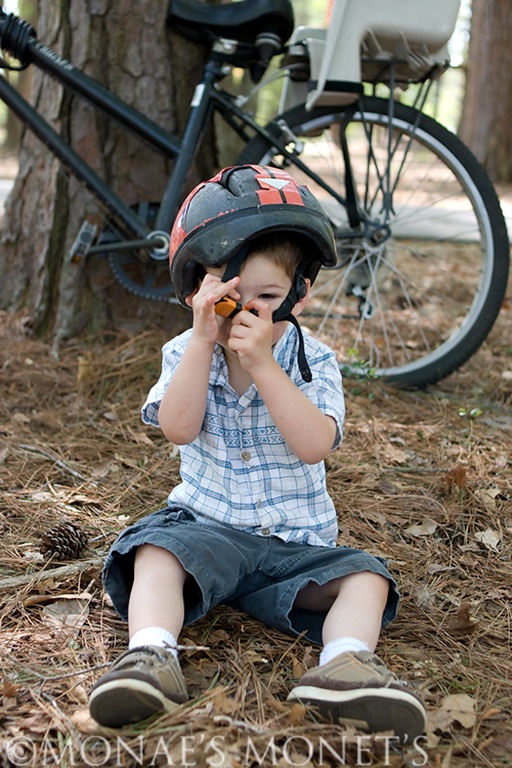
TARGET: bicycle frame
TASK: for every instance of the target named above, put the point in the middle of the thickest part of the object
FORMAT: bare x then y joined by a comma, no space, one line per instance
160,140
207,97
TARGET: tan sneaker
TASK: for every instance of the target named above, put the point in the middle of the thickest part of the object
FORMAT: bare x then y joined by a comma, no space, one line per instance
358,688
139,684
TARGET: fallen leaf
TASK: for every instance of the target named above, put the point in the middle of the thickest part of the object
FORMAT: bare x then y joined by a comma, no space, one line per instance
310,658
222,704
487,496
438,568
462,621
385,486
298,669
461,708
395,455
457,475
297,713
489,538
46,420
426,528
20,418
456,708
66,613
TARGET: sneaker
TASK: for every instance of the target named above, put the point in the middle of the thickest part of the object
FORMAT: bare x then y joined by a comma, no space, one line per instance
358,688
140,683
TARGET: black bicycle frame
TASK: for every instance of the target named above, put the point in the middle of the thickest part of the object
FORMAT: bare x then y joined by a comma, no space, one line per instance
206,98
50,62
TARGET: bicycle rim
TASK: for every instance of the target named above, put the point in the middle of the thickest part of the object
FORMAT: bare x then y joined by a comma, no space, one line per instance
415,294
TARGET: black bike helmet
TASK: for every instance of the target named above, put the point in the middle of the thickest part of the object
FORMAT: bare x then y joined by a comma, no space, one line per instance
221,217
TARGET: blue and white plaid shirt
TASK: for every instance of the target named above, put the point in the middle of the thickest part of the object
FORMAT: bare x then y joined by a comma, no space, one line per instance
239,470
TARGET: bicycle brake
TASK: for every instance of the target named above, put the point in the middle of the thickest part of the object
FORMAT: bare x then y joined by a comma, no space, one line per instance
290,137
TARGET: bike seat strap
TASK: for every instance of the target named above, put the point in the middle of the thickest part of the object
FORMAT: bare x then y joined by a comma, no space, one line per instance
241,21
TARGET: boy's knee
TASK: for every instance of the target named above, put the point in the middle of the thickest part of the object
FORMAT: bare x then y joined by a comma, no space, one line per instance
150,555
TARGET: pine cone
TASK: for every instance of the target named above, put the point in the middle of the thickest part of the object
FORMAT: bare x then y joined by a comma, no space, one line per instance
65,541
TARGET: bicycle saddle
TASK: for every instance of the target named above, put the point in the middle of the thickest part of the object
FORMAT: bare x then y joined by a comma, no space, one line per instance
241,21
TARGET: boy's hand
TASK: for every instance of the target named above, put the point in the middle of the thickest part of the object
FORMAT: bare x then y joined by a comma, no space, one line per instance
251,336
211,290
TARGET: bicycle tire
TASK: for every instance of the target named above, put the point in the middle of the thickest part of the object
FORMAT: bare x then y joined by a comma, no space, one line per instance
430,292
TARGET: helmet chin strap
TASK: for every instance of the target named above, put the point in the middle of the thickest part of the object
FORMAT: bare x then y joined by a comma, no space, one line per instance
284,311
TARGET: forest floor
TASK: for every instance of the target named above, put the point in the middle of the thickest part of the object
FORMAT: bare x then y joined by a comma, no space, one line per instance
422,478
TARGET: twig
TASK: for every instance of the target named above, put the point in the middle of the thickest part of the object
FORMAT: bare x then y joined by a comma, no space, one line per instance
188,647
240,724
67,675
59,463
61,572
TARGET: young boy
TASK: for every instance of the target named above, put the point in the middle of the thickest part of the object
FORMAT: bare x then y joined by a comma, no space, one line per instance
255,408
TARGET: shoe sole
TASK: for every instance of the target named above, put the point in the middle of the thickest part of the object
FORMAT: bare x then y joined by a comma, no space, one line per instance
115,704
372,709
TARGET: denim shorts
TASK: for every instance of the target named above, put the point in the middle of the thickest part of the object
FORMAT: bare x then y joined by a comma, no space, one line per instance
260,575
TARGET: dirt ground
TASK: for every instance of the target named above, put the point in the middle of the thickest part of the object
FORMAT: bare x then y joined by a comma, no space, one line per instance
422,478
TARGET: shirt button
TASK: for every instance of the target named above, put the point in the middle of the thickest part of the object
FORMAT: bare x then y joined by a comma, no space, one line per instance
265,531
245,455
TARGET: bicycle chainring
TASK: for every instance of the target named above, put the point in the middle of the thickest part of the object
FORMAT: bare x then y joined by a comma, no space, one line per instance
135,269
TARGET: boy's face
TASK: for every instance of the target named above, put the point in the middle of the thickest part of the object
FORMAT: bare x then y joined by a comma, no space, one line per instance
260,278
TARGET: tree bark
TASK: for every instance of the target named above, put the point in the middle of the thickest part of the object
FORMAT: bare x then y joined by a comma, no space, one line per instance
487,112
127,48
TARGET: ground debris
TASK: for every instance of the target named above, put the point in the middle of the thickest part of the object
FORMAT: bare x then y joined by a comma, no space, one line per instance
415,482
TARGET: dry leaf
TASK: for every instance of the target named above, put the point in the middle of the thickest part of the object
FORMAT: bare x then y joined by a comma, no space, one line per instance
298,669
310,658
487,496
489,538
461,708
462,622
66,613
296,713
426,528
20,418
222,704
457,708
457,475
395,455
86,370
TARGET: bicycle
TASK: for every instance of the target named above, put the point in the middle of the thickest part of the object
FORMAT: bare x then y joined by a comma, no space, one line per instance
423,251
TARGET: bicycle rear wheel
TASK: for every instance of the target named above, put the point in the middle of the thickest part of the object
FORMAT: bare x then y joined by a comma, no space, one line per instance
418,288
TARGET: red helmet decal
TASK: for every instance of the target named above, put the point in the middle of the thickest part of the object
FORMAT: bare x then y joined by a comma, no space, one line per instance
277,187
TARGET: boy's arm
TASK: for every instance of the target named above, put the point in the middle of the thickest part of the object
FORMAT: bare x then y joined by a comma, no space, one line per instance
182,408
183,405
307,431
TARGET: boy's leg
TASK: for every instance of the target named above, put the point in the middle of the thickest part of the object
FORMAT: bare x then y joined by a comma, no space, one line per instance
355,605
147,678
351,683
156,599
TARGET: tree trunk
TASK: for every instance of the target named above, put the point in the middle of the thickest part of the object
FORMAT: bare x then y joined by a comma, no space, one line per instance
487,113
127,48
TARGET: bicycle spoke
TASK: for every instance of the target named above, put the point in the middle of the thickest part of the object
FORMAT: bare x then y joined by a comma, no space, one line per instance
418,286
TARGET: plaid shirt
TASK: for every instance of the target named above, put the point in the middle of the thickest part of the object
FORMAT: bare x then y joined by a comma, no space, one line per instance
239,470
